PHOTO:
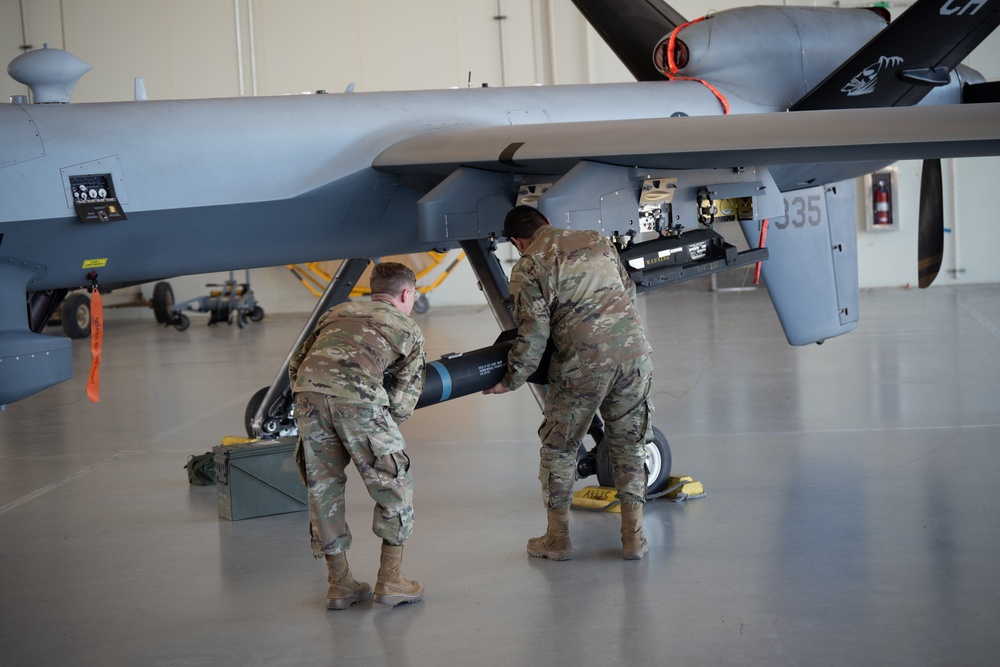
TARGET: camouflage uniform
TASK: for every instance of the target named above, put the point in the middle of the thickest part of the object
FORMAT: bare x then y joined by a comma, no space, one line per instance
571,286
345,414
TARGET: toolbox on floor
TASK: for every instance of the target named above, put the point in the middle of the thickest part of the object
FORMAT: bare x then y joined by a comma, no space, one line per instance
258,479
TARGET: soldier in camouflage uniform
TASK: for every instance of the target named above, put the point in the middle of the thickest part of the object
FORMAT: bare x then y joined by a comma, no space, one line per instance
570,286
345,414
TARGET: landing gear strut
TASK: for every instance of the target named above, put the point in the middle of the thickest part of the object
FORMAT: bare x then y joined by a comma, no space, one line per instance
269,412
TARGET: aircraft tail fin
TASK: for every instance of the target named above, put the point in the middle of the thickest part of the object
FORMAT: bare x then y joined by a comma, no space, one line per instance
632,28
904,62
812,269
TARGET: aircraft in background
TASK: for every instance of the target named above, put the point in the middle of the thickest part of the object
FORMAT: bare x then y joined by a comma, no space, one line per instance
753,114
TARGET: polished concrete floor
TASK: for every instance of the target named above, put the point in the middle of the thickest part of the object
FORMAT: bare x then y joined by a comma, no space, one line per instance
852,515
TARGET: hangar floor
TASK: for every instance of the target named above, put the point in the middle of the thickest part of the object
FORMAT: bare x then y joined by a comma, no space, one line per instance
852,516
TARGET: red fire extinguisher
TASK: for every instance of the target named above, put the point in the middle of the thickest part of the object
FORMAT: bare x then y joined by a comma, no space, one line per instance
881,196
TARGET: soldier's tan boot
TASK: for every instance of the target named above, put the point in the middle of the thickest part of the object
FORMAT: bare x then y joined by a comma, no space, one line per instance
392,587
344,589
634,545
555,543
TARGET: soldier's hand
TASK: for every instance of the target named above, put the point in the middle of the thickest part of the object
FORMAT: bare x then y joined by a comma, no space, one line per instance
498,388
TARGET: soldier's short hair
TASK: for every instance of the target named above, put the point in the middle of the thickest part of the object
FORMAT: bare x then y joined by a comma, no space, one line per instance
522,222
391,278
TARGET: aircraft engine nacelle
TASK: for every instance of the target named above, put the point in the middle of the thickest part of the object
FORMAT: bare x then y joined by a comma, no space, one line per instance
768,55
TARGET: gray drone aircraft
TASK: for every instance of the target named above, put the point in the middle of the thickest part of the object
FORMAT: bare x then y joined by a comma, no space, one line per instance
93,193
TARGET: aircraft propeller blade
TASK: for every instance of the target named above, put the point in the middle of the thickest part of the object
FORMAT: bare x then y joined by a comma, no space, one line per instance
930,243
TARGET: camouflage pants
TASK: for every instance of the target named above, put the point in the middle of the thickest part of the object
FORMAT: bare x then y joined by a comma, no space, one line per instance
333,433
622,397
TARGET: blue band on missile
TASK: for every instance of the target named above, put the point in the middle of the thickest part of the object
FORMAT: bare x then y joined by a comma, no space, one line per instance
445,379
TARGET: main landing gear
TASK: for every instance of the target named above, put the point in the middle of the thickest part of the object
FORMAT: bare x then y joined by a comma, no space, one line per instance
597,460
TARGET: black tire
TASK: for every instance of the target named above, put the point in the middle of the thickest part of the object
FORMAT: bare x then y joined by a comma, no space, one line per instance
257,314
252,406
181,322
272,427
605,475
163,301
421,305
658,461
75,316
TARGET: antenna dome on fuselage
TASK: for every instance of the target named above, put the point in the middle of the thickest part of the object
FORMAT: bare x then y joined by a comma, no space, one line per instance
51,74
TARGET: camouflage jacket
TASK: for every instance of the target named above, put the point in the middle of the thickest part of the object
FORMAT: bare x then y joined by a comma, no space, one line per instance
572,286
353,346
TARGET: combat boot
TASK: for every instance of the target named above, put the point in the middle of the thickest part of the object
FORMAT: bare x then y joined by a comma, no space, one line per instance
391,587
344,589
554,544
634,545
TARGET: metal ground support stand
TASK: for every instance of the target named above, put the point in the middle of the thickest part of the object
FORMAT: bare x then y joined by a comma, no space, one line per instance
232,300
269,412
314,278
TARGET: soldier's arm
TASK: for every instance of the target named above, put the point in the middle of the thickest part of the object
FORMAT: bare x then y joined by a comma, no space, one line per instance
532,314
299,356
407,379
623,273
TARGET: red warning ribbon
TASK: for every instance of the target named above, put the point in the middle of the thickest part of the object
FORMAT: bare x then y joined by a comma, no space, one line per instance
96,339
672,72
